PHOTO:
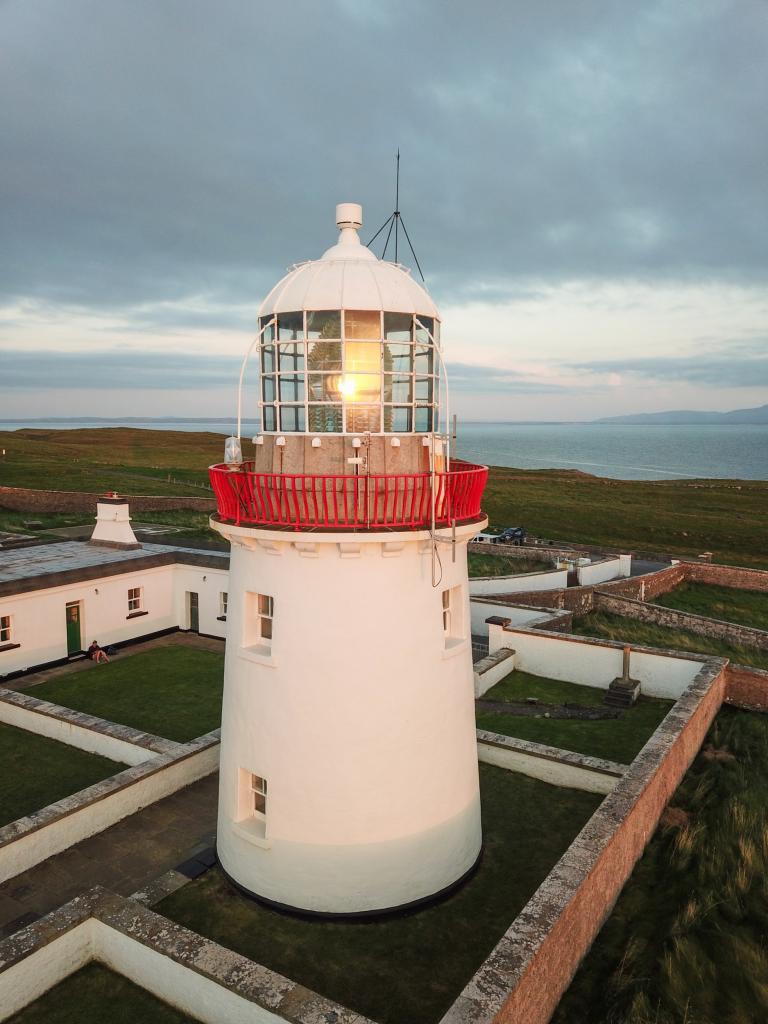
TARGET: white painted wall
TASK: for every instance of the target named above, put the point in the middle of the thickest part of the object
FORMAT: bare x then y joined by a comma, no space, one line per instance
33,975
191,992
39,623
594,664
360,718
74,735
65,830
552,580
607,569
481,610
556,773
485,680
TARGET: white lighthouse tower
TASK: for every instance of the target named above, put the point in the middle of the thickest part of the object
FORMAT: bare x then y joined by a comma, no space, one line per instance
349,780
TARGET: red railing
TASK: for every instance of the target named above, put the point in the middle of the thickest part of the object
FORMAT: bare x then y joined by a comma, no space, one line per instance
400,500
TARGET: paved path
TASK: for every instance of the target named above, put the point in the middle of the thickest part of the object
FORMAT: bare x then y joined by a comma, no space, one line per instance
124,858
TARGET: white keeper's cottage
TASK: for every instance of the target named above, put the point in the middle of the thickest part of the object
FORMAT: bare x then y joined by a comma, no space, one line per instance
349,778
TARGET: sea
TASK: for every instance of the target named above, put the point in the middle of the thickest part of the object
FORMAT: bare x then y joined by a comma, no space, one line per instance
624,452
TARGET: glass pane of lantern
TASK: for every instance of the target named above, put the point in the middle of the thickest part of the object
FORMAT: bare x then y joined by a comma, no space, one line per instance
325,419
423,419
423,331
324,324
324,355
324,387
397,420
291,357
423,389
268,389
290,326
268,418
362,323
360,388
268,359
423,359
361,418
269,333
398,357
362,357
292,417
397,388
292,388
397,326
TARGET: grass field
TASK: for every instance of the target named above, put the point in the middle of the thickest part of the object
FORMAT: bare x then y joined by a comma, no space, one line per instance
617,739
95,994
727,517
406,969
36,771
616,627
747,607
686,942
171,691
498,565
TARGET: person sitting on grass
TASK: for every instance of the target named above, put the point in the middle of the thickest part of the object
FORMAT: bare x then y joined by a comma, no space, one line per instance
95,653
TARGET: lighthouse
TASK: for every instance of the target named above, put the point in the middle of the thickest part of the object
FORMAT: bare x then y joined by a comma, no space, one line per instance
349,778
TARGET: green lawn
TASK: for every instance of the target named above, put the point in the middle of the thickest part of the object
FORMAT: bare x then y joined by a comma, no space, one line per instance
617,739
499,565
36,771
747,607
616,627
407,969
170,691
95,994
686,942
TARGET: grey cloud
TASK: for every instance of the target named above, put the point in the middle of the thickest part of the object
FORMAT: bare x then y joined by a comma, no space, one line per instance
481,380
744,365
155,151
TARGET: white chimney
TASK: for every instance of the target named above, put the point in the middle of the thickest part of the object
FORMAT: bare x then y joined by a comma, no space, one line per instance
113,523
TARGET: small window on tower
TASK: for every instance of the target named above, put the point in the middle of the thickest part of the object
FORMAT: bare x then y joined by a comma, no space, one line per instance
258,796
258,623
251,806
453,616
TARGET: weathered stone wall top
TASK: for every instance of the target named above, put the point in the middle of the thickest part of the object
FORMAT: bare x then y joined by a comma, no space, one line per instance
547,753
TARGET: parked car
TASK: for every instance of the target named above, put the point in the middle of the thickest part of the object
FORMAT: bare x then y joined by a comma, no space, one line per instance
510,535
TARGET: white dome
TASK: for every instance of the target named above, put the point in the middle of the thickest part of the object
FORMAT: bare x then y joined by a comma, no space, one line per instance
349,276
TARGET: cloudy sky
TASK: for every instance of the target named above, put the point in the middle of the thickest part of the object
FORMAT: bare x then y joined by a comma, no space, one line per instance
585,185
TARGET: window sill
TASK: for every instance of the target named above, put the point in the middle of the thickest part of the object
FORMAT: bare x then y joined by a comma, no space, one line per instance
252,832
135,615
9,647
221,618
454,646
259,654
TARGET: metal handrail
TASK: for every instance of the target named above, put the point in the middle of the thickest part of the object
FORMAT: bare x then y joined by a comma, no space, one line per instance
347,502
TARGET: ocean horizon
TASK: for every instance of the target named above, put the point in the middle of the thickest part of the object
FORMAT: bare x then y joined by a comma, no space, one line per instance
617,451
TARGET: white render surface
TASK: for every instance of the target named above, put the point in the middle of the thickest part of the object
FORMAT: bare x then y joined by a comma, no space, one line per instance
113,524
554,579
604,570
360,718
24,982
558,656
39,616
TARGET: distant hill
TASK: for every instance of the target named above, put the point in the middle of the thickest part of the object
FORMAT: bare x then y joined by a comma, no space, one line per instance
758,415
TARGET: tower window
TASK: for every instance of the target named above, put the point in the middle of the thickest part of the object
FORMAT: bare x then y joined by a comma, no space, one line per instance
6,633
258,795
453,616
223,598
258,622
266,612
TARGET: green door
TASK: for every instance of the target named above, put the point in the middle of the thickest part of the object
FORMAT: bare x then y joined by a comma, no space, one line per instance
74,639
194,615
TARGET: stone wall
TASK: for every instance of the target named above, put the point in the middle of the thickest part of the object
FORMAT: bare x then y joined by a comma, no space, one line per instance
702,625
24,499
747,687
727,576
527,972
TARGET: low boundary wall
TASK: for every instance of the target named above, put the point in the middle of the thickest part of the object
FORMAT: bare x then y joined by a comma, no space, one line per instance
702,625
552,579
31,840
194,974
533,964
26,499
96,735
747,687
550,764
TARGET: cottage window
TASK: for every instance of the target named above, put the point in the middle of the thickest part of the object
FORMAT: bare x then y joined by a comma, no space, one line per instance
135,600
6,633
